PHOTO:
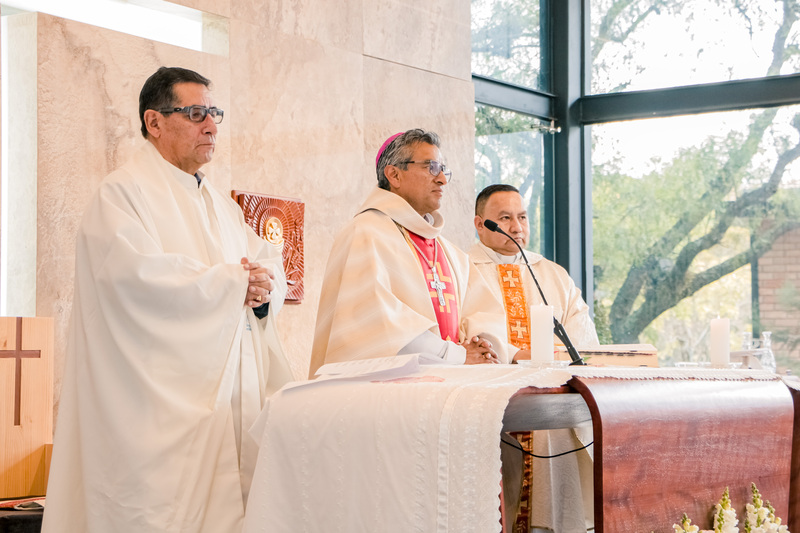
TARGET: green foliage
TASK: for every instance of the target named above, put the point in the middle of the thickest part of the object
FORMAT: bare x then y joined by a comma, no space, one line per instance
508,151
672,245
601,323
506,41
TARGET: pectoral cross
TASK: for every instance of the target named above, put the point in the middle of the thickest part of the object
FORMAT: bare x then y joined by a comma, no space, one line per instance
18,354
438,286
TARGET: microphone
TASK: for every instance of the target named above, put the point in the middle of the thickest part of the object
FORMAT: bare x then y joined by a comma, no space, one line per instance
558,329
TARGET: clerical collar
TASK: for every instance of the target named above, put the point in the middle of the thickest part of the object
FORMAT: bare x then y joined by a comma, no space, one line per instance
500,259
507,259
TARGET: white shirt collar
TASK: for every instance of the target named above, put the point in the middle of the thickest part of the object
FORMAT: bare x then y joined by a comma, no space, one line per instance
501,259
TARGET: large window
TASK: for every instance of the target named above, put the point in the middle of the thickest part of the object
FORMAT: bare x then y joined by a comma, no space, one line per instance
664,43
688,213
510,62
680,207
684,208
508,150
507,38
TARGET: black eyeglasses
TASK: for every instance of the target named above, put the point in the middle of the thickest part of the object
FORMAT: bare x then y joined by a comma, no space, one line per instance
196,113
434,167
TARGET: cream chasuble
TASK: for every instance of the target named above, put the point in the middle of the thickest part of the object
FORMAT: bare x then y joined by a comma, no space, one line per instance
166,368
559,289
375,299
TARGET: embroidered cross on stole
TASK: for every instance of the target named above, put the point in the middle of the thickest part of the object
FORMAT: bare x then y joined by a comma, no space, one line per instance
516,306
440,283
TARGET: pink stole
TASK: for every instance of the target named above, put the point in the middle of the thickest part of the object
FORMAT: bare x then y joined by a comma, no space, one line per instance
447,314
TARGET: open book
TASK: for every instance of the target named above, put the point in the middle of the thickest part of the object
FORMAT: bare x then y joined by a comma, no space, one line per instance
614,354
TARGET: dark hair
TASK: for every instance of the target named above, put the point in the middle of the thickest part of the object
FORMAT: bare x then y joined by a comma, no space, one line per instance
157,92
401,149
483,196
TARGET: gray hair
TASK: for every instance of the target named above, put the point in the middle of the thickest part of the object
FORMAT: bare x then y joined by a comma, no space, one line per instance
401,149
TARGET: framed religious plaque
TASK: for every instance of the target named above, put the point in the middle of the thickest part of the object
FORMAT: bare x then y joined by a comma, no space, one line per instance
279,221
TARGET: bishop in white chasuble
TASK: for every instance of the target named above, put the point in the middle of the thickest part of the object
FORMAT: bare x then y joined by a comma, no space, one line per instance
376,299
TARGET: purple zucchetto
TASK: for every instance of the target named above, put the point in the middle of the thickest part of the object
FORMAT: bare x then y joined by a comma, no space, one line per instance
385,145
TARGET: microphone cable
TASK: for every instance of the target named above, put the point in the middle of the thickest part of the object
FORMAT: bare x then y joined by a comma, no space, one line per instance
558,328
519,447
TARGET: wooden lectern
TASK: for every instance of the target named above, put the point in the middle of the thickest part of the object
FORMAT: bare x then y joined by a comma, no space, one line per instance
26,405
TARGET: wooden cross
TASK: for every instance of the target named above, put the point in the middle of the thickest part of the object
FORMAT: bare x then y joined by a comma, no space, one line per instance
519,329
18,354
438,286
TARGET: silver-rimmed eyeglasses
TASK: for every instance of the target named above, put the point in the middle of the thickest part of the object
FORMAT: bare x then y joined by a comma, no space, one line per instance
434,167
196,113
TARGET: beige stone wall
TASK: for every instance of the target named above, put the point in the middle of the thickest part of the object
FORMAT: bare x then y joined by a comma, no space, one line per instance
311,88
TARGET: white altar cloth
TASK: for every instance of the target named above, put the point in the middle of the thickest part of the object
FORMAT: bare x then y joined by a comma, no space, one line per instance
417,453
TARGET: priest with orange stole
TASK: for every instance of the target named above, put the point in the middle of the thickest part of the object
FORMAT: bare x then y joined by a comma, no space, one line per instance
560,487
393,285
500,262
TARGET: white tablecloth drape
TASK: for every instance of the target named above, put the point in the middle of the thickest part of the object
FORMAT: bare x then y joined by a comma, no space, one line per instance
415,452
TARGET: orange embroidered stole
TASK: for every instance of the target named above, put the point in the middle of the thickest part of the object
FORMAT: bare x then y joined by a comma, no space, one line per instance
516,306
520,336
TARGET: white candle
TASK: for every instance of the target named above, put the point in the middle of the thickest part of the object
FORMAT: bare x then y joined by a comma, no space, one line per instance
720,350
541,320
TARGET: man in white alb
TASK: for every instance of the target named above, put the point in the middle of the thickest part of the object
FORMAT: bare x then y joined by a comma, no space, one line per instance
561,487
172,347
393,285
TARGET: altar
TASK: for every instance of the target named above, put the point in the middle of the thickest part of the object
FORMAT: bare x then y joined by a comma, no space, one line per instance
418,448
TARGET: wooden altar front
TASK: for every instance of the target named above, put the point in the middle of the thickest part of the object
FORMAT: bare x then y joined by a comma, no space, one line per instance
664,447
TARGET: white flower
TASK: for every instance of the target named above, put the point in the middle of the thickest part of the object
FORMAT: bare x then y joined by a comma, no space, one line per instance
760,516
725,520
685,526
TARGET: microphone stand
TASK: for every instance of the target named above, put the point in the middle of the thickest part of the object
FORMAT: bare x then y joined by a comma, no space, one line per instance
558,328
